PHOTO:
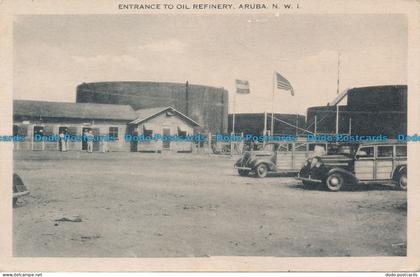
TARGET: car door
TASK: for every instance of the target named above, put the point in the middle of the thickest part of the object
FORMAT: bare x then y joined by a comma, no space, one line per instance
400,156
364,165
284,157
384,162
300,154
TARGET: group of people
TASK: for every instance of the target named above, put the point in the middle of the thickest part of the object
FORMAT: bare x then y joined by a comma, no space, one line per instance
88,137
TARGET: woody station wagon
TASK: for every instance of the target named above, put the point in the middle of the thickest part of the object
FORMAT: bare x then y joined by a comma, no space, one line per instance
366,163
281,157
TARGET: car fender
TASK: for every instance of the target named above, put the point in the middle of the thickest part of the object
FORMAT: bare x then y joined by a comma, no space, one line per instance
255,163
344,172
398,170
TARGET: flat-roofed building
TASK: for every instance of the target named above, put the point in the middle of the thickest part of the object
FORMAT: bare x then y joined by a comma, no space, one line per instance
40,118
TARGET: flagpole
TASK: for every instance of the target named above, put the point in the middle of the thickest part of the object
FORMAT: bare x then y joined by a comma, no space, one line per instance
338,91
234,112
265,127
272,108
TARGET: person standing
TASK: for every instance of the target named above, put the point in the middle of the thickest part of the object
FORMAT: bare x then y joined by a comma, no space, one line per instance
104,142
63,142
90,138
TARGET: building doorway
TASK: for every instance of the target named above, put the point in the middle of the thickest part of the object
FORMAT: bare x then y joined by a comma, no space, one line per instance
166,143
62,143
95,132
37,141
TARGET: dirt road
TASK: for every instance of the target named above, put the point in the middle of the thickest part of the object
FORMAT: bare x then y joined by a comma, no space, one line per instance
188,205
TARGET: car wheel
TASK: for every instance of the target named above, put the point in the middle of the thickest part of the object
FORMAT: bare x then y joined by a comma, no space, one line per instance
402,180
262,170
243,172
335,182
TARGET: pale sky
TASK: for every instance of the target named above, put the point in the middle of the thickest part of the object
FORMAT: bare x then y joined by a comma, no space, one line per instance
53,54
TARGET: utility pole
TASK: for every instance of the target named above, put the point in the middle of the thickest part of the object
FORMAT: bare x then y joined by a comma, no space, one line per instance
234,111
265,128
272,108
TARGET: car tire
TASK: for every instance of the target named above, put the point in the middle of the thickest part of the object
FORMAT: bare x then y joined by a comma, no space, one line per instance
243,172
261,170
335,182
402,180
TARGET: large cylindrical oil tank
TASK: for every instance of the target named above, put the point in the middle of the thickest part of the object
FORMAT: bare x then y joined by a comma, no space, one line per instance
378,98
253,123
325,117
378,110
206,105
375,110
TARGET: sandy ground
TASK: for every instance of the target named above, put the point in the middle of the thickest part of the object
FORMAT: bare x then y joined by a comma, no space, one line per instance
186,205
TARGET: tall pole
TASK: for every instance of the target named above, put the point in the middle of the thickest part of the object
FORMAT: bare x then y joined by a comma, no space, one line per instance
350,126
265,124
265,127
186,99
338,91
234,112
272,108
338,73
336,121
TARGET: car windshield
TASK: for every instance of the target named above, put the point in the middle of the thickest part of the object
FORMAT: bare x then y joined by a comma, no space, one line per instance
269,147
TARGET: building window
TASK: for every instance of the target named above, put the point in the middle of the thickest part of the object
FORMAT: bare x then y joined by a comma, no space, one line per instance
147,130
148,133
72,131
16,130
22,130
182,132
113,132
63,130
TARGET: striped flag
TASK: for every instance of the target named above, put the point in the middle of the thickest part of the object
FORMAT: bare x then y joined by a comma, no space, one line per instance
242,86
282,83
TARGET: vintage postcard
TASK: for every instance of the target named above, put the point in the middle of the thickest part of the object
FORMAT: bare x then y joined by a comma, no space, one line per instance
209,136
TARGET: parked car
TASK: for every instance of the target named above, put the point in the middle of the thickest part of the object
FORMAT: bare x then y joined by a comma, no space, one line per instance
19,188
366,163
284,157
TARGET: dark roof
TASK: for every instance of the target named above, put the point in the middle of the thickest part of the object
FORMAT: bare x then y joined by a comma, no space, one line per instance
145,114
45,109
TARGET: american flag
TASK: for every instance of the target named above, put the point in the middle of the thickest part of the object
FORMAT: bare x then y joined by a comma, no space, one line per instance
282,83
242,86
